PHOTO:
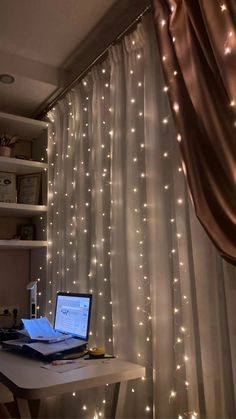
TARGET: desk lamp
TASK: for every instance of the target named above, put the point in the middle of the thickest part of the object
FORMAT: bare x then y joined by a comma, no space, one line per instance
32,287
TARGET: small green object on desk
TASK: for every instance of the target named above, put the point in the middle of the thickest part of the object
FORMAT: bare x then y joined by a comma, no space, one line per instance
97,351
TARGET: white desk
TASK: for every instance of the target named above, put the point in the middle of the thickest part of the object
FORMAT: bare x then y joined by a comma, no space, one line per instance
27,380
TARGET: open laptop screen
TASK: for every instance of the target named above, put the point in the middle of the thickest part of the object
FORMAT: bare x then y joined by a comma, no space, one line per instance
72,314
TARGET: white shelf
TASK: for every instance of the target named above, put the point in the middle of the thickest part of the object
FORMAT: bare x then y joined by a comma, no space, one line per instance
21,167
22,244
29,129
19,210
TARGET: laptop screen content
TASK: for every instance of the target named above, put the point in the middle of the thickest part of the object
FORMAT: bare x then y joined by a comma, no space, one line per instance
72,314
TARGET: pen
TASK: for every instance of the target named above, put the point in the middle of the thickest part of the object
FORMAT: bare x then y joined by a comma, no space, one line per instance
99,357
65,361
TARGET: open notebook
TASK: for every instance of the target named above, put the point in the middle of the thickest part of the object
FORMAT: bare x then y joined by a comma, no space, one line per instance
71,326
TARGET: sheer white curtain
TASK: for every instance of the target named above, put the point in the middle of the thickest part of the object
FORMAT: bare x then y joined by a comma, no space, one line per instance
121,226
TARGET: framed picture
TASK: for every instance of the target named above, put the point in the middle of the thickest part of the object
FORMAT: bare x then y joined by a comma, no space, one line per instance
29,189
27,232
7,187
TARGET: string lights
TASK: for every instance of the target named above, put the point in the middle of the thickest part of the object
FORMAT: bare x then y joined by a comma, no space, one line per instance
182,333
86,159
83,205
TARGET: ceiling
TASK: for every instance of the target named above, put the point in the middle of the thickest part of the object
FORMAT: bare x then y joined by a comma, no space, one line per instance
45,44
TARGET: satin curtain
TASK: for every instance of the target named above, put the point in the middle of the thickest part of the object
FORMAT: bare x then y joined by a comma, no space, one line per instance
121,226
197,41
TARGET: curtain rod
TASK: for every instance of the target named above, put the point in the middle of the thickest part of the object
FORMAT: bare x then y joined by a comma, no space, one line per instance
62,94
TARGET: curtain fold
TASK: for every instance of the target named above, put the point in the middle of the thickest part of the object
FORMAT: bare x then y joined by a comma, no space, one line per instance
121,226
198,47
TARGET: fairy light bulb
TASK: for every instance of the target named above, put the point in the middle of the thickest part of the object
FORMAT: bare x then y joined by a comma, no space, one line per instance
227,50
176,107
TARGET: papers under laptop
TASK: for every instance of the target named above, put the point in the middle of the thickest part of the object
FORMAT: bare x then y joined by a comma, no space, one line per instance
71,326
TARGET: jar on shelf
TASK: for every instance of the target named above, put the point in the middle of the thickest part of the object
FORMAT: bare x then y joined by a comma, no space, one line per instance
5,151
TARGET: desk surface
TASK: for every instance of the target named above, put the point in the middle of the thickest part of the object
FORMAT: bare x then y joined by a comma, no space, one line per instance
28,380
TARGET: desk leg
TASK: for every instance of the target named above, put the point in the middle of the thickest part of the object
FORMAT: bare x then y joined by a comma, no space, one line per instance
119,400
23,407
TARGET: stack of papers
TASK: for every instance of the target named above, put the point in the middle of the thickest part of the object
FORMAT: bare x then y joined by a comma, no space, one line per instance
40,336
40,347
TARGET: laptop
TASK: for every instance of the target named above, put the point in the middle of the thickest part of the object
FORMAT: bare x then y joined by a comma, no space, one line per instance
71,320
72,316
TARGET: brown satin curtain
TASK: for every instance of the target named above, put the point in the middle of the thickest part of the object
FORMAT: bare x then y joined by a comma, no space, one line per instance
197,41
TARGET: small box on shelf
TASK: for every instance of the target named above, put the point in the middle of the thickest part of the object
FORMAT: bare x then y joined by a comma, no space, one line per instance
23,150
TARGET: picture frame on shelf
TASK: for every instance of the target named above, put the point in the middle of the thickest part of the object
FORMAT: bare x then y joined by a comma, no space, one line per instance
27,232
29,189
8,192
